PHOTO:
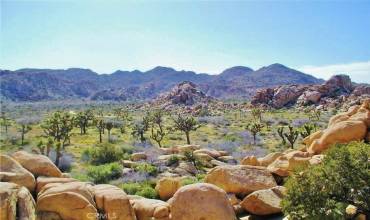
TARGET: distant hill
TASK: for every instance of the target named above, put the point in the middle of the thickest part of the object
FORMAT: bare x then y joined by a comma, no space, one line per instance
237,82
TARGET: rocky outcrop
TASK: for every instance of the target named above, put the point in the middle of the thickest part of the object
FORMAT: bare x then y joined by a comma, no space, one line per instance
342,128
264,202
201,201
240,179
38,165
16,202
333,92
185,93
12,171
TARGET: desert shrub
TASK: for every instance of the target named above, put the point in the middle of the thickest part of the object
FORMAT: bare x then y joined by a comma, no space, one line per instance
104,153
145,189
104,173
174,159
65,163
324,191
146,168
191,180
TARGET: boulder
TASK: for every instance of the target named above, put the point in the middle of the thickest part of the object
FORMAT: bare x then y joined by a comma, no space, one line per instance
227,159
146,209
341,132
285,95
12,171
73,200
188,167
309,97
187,148
240,179
166,187
201,201
316,159
113,202
42,181
212,153
37,164
268,159
264,202
203,157
16,202
288,162
138,156
250,160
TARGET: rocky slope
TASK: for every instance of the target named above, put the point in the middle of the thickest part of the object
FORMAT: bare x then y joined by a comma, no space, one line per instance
336,91
76,83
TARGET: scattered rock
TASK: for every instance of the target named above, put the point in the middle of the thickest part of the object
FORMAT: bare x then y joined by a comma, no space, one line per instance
201,201
138,156
212,153
240,179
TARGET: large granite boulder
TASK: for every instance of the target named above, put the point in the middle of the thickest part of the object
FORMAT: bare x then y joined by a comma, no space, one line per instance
37,164
240,179
12,171
201,201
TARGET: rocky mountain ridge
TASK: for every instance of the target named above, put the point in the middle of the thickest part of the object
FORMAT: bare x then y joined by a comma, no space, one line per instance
47,84
338,89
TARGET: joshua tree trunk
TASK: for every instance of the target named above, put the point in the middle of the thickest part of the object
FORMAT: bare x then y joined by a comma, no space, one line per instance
108,135
23,130
100,138
187,137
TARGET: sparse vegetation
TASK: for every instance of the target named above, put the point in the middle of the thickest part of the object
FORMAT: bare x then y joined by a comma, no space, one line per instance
325,190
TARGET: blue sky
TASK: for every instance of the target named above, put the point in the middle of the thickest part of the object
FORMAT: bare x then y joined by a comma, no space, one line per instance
318,37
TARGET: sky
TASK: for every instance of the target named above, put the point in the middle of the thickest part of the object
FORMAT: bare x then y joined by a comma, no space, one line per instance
321,38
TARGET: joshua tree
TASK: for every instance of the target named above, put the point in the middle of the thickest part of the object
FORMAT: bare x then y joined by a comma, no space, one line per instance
83,119
109,124
186,124
291,136
307,129
140,127
280,131
257,114
100,125
4,121
59,126
58,151
158,132
315,115
254,128
25,125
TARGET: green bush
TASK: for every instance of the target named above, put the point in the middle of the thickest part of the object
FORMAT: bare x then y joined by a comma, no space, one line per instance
104,173
191,180
144,189
174,159
146,168
104,153
323,191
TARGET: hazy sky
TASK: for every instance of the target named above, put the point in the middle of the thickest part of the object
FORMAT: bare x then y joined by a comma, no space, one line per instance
318,37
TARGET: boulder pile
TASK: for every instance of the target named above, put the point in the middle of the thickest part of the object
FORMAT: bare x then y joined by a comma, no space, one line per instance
338,90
